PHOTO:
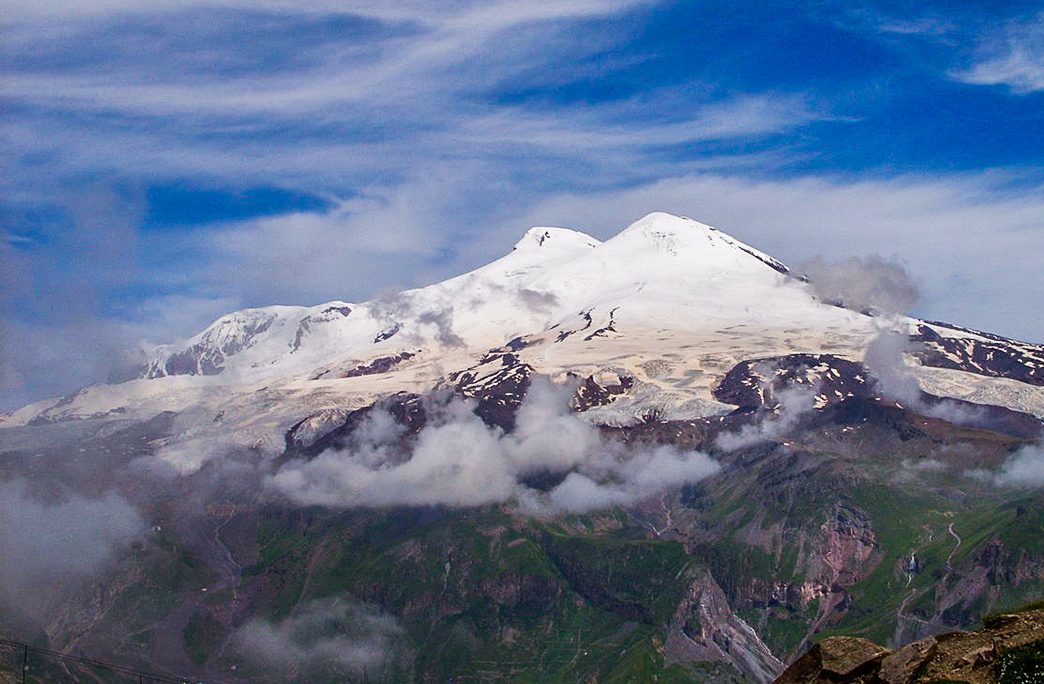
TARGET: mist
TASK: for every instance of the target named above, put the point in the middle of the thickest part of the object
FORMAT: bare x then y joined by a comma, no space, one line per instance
886,358
394,307
539,302
44,543
323,639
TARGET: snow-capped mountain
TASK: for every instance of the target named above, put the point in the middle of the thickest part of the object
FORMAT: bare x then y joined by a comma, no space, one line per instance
669,304
731,462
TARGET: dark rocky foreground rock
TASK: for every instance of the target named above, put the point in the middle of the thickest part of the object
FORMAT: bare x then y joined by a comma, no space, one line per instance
1008,648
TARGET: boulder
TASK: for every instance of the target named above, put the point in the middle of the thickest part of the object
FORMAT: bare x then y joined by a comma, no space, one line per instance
901,666
837,659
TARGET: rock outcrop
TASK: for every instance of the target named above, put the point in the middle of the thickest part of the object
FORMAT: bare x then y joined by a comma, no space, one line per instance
1009,648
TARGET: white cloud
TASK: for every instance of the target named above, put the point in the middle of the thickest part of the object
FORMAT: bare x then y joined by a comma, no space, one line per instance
885,357
873,282
442,37
791,404
593,127
1013,58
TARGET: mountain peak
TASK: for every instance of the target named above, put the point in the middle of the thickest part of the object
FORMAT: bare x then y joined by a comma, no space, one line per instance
684,237
546,237
662,220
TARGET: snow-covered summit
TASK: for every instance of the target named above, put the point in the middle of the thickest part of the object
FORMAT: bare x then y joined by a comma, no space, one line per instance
555,239
698,242
661,265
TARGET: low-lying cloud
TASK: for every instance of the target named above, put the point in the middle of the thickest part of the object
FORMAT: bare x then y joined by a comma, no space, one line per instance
912,470
323,639
457,460
1024,468
791,404
885,358
872,283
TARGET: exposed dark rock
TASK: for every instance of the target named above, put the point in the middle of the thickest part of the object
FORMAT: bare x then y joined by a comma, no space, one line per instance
901,667
752,383
590,393
498,383
387,334
566,333
704,627
498,394
305,326
994,357
837,659
207,357
407,409
382,364
604,330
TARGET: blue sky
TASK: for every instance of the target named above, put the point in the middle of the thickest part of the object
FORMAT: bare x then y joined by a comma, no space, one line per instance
166,162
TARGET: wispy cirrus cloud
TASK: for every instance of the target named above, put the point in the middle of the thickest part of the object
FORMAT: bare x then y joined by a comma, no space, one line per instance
1012,57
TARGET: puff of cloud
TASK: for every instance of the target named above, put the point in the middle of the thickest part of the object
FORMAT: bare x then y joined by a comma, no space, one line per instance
885,357
323,639
1024,468
872,283
535,300
911,470
791,404
442,322
436,320
624,483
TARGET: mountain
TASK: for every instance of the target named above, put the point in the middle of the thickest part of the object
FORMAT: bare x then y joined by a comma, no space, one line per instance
665,454
670,303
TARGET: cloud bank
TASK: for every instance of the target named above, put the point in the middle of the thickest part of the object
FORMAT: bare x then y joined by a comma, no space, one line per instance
457,460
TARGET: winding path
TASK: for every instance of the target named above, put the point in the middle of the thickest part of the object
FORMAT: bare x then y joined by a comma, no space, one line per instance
953,533
900,616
